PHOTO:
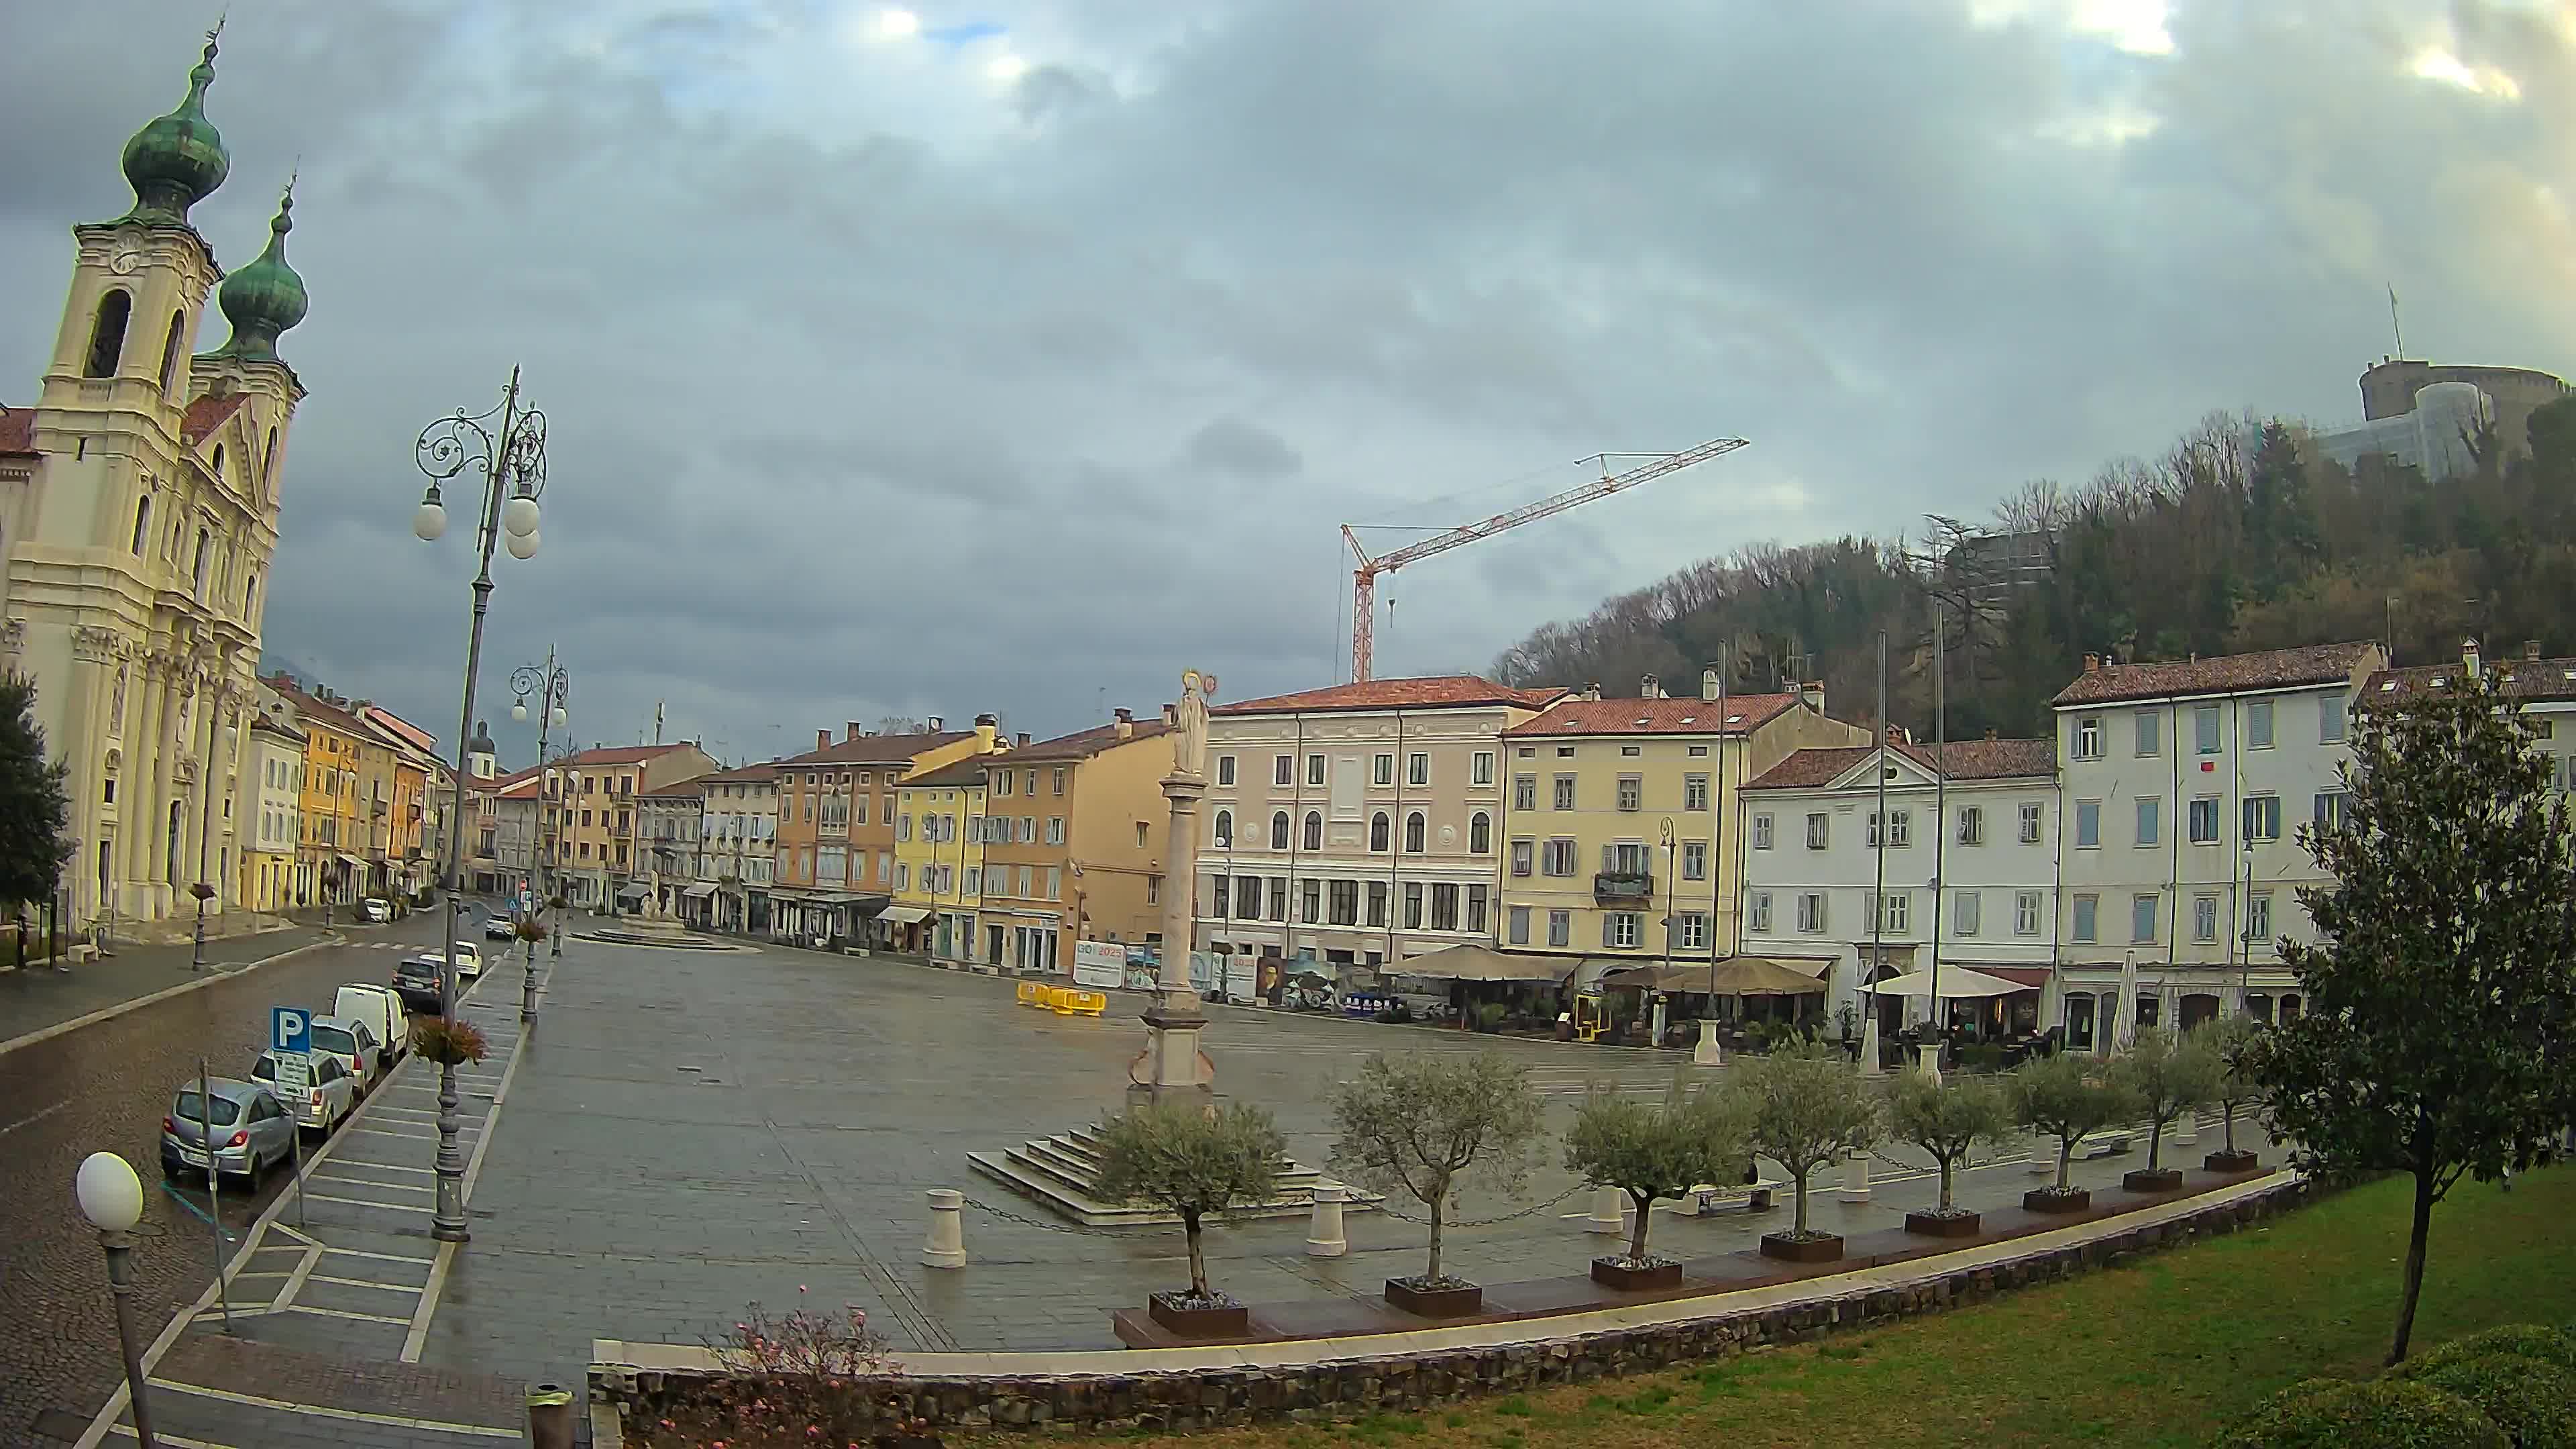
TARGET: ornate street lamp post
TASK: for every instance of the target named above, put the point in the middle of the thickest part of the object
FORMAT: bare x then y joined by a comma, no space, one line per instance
551,687
111,1197
507,445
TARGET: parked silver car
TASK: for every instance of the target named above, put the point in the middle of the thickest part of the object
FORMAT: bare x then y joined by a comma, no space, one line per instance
252,1132
332,1096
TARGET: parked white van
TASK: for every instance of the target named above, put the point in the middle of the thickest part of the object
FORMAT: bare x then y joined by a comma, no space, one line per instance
383,1013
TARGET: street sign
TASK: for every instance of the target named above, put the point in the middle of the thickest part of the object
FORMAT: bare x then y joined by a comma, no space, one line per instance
290,1030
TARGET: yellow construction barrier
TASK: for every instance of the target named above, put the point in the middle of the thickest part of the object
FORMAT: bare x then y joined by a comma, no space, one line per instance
1074,1001
1032,994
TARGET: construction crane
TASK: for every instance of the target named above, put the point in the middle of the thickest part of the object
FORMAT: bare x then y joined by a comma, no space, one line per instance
1364,577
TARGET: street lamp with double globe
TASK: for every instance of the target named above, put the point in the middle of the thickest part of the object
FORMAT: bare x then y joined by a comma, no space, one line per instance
507,445
551,687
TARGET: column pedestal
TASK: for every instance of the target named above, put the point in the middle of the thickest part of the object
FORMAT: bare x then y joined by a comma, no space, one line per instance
1324,1236
1706,1052
1869,1046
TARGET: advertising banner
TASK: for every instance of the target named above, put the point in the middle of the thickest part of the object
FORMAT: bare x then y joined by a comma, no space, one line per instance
1099,965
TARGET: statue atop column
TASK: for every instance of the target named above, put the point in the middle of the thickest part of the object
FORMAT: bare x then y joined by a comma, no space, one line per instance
1189,730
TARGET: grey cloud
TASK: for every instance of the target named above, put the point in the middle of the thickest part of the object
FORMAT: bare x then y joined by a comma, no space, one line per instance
1235,446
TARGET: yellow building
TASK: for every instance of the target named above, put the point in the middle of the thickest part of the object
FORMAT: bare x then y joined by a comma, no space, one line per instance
1074,832
939,857
331,833
590,819
271,800
1618,818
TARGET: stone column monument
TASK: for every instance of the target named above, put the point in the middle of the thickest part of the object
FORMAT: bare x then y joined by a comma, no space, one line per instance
1172,1060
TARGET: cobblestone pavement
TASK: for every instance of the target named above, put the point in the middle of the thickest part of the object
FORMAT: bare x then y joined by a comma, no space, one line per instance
106,1085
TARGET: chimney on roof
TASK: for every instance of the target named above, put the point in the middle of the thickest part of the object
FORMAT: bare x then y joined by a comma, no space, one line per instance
2092,663
1593,690
1990,732
987,728
935,724
853,730
2469,656
1650,688
1813,692
1170,714
1708,685
2530,648
1126,724
822,739
1021,739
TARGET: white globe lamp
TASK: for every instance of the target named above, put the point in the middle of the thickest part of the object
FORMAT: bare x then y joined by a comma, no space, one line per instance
523,545
111,1196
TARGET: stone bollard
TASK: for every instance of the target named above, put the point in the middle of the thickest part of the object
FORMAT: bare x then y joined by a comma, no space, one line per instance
1856,1177
1609,1212
946,1245
1707,1052
549,1416
2187,1128
1324,1237
2043,1155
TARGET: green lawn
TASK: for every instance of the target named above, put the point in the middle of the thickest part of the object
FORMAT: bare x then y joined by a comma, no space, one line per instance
2164,1352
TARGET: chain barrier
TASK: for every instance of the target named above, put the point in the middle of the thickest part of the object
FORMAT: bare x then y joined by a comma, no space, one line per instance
1401,1215
1029,1222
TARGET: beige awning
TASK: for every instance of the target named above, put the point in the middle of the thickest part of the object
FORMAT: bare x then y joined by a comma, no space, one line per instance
1957,983
1734,976
1479,963
903,915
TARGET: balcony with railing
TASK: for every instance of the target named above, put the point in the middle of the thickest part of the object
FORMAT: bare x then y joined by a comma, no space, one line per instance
1623,886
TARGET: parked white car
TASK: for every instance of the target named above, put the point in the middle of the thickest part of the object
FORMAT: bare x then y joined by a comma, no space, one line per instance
332,1096
351,1042
382,1010
469,961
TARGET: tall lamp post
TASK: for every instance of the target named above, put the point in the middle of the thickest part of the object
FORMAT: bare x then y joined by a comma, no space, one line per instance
551,687
507,445
111,1197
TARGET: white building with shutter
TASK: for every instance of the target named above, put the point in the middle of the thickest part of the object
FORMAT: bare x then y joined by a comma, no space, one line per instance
2183,786
1359,823
1982,897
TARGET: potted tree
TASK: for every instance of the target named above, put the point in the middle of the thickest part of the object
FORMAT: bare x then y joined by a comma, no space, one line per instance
1946,1119
1649,1151
2163,1076
1425,1125
2058,1097
1193,1162
2230,1041
1805,1107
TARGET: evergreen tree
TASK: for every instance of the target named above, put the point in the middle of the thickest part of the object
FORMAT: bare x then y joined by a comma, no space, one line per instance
35,814
2441,991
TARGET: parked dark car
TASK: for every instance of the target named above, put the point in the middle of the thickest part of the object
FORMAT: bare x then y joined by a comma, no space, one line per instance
416,981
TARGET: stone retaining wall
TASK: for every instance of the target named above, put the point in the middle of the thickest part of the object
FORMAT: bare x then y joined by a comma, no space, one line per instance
1409,1381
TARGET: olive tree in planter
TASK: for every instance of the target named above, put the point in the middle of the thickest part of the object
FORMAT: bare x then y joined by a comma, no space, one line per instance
1426,1125
1947,1120
1649,1151
1196,1163
2163,1076
2230,1042
2061,1098
1805,1107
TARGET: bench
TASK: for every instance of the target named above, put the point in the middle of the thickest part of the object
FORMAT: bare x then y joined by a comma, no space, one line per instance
1705,1198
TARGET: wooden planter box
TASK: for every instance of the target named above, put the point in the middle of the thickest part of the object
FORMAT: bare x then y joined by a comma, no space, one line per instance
1825,1249
2231,1162
1935,1225
2152,1179
1455,1302
2050,1200
1612,1273
1230,1320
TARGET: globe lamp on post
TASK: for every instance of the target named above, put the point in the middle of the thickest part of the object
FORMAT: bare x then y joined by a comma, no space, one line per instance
111,1197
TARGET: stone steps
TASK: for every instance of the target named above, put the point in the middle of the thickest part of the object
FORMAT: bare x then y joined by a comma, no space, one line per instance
1063,1172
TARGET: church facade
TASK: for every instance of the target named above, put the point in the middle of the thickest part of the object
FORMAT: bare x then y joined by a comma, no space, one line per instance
139,503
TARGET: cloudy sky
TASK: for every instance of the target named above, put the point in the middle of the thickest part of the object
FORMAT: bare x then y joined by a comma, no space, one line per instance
1015,354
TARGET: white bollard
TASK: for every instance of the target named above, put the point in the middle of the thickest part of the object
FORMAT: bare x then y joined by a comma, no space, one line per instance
1609,1212
1856,1177
1869,1046
946,1245
1324,1238
1707,1052
2043,1155
2187,1128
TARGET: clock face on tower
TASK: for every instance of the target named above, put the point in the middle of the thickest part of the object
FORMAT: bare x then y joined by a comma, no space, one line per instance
128,256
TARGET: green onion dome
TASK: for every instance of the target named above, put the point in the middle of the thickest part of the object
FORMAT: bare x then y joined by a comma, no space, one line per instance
265,298
177,160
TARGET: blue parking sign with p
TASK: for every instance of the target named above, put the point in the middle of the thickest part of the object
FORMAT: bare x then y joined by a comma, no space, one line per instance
289,1030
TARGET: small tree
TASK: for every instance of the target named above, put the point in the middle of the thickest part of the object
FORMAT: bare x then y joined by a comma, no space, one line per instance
2230,1042
2059,1096
2439,998
2165,1075
1422,1124
1187,1160
1649,1151
35,843
1946,1120
1806,1107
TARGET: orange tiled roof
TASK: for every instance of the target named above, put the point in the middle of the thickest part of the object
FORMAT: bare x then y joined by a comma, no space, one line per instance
208,413
1444,691
1083,744
620,754
1969,760
17,430
2551,679
1732,716
874,749
741,775
2225,674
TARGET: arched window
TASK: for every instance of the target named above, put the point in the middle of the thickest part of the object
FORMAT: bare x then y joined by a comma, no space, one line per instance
1480,833
268,457
170,351
1377,831
1314,830
219,462
142,522
1413,825
1279,830
107,334
197,570
1225,830
250,596
170,848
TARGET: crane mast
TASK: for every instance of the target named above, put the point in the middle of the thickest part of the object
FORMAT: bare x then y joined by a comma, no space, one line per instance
1364,577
